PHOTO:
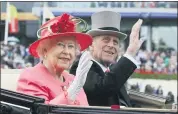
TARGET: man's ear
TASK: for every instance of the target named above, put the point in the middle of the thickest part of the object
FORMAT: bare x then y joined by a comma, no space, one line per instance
91,47
119,54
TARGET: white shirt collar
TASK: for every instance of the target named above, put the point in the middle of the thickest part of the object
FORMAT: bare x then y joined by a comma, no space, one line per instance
102,66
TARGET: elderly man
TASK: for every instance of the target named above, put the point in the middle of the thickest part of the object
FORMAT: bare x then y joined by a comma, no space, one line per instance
104,85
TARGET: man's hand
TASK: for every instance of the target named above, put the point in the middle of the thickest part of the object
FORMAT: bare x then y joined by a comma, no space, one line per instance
135,43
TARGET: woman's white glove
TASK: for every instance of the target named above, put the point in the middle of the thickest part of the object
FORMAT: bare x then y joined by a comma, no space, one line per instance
84,66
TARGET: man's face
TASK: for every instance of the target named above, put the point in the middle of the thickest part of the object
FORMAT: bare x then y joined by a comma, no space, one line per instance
105,49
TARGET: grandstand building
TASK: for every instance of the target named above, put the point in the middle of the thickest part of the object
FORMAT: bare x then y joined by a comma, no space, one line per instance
160,19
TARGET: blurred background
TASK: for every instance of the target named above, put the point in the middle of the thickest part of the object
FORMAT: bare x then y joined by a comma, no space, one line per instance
158,55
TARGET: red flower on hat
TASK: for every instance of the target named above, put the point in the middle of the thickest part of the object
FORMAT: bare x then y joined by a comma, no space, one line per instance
64,24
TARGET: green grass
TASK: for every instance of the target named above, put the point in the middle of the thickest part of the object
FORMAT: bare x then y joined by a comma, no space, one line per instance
155,76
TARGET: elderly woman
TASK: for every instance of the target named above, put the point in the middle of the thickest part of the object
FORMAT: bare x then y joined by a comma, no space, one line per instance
57,48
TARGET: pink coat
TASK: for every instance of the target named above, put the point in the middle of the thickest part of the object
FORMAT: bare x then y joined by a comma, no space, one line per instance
37,81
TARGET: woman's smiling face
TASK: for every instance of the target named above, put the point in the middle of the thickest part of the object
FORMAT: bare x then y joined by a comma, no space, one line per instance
62,53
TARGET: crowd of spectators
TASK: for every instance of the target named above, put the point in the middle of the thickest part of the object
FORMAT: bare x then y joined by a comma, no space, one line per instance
158,61
15,56
132,4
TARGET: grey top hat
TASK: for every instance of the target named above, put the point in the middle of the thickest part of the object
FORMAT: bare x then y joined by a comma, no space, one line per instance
106,23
